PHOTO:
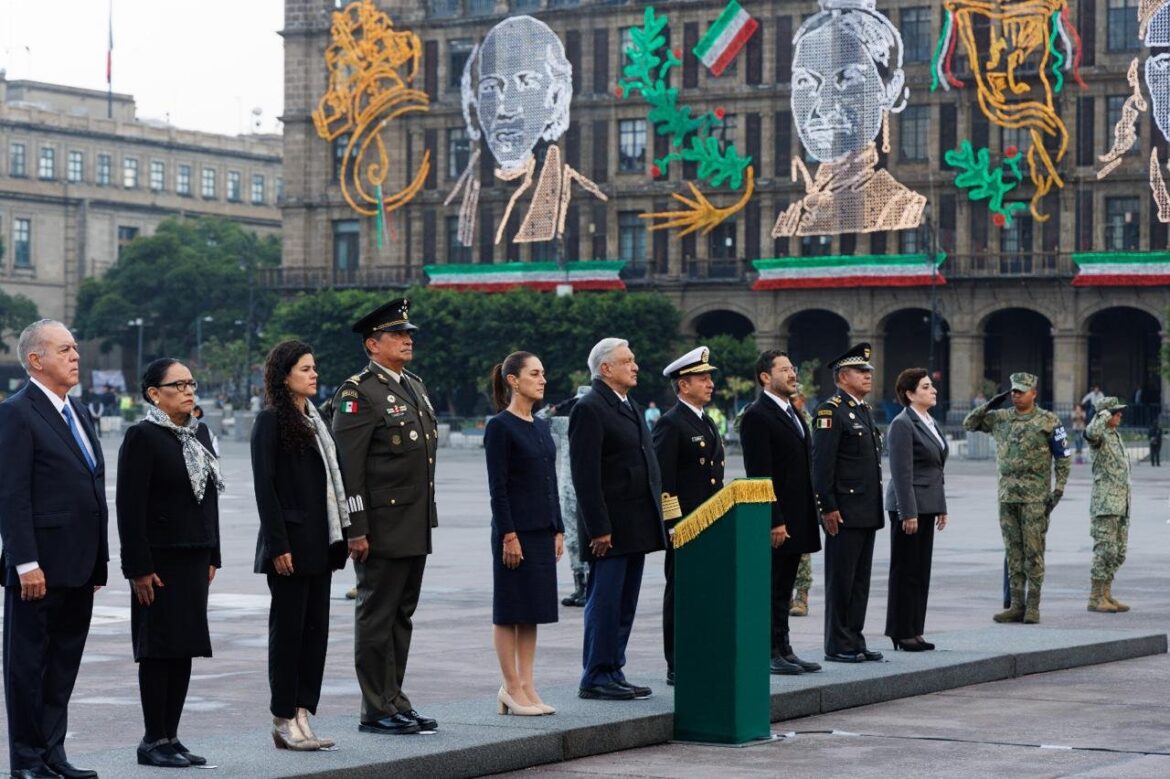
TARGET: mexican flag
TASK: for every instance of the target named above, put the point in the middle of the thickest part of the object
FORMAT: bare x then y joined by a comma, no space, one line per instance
1122,269
866,270
587,275
725,37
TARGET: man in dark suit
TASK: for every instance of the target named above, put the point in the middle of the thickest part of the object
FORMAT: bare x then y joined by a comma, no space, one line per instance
53,519
691,459
847,477
777,444
615,474
387,436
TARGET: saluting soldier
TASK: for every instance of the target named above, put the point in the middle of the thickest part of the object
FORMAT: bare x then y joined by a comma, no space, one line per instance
690,455
386,439
847,476
1109,502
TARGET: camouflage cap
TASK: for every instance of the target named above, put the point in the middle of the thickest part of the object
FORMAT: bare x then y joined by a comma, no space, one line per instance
1110,404
1023,382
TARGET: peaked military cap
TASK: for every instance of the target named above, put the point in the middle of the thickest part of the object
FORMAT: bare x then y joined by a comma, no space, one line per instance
389,318
856,357
1110,403
1022,382
693,362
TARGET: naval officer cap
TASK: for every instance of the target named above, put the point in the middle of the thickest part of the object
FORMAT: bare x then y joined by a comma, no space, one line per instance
693,362
857,357
389,318
1022,382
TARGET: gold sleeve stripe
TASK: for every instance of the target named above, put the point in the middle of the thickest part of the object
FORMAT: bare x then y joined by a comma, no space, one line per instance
670,507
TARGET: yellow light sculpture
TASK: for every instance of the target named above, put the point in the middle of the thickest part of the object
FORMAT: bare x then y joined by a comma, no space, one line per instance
371,67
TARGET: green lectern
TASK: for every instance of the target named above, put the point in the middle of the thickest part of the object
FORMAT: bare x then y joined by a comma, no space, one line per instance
722,616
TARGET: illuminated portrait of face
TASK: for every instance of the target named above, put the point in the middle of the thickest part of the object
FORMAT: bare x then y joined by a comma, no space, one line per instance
1157,36
523,85
846,72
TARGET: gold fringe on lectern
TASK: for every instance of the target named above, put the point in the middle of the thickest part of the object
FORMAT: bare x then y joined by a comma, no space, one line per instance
717,506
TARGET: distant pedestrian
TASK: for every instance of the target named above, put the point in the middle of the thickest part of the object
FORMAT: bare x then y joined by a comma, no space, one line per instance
1109,504
652,414
1155,443
527,532
1092,398
1078,427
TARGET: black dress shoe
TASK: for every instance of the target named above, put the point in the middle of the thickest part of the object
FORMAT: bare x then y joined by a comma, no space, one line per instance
807,665
871,655
640,692
670,678
161,754
393,725
191,758
34,773
846,657
782,667
70,771
610,691
424,723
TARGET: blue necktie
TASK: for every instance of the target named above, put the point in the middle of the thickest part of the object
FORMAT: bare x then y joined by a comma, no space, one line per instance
76,431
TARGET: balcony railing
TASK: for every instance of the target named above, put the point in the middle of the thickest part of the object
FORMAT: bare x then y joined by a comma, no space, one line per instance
1014,264
324,277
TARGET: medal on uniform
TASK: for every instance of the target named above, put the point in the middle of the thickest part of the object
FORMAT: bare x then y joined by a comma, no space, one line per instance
413,435
852,415
389,398
396,439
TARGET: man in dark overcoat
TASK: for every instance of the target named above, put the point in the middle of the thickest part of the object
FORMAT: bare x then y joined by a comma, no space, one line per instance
777,445
615,474
387,436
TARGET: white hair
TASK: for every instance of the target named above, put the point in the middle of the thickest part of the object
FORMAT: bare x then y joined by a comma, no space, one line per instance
601,352
32,340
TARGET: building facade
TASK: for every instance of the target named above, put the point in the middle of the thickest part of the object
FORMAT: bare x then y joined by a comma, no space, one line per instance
81,176
1004,300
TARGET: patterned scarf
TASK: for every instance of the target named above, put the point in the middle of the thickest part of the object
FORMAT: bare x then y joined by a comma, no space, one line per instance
201,464
334,486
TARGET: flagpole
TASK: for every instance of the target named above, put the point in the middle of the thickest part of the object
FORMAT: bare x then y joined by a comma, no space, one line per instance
110,64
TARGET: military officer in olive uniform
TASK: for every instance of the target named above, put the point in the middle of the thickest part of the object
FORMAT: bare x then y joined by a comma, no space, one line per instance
690,455
847,477
386,436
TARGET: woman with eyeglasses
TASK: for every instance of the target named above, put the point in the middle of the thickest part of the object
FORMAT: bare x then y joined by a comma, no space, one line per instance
168,523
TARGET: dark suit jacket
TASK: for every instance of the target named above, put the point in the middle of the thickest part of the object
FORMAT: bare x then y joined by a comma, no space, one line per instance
772,447
156,507
290,498
691,459
52,507
916,468
847,464
522,475
615,474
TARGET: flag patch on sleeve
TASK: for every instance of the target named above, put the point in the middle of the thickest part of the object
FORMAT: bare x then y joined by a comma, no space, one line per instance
349,407
824,423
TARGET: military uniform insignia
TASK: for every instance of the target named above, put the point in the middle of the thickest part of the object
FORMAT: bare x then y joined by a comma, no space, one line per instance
824,423
349,393
396,439
348,406
413,435
852,415
696,439
670,506
389,398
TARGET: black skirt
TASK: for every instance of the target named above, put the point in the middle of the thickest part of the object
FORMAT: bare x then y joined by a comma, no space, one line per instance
175,625
526,595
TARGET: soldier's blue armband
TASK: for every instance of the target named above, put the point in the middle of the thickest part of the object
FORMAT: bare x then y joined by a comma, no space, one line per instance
1058,444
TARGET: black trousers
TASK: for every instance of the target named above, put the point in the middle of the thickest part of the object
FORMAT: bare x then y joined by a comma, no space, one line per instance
848,564
298,638
387,595
162,686
43,643
785,566
909,588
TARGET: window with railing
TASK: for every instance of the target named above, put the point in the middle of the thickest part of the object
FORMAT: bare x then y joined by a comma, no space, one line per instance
1122,224
456,251
632,145
721,250
1015,245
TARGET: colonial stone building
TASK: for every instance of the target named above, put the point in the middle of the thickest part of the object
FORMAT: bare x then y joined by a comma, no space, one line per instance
1008,302
76,186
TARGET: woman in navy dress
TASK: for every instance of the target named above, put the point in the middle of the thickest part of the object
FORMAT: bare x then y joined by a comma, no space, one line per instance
527,532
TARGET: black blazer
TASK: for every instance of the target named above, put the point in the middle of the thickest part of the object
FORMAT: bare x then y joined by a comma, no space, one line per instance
522,475
290,498
52,507
916,468
691,458
772,447
156,508
615,474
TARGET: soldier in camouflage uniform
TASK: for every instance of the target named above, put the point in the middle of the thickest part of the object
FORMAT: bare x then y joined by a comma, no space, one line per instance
559,425
804,573
1029,441
1109,506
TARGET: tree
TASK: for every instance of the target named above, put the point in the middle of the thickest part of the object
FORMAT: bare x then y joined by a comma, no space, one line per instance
465,333
16,313
187,270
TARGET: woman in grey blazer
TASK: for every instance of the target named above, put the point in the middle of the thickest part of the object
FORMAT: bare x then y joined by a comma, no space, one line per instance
917,503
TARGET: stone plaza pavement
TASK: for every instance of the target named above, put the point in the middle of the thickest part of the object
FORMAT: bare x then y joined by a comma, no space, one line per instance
1122,706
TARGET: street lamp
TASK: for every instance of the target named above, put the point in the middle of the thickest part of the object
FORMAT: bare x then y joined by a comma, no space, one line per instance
137,322
199,320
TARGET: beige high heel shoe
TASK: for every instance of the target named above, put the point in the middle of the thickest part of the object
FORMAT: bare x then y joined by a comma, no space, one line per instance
545,708
307,732
287,735
506,705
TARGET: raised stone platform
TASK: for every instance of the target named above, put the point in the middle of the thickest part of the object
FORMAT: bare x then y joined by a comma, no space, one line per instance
473,740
